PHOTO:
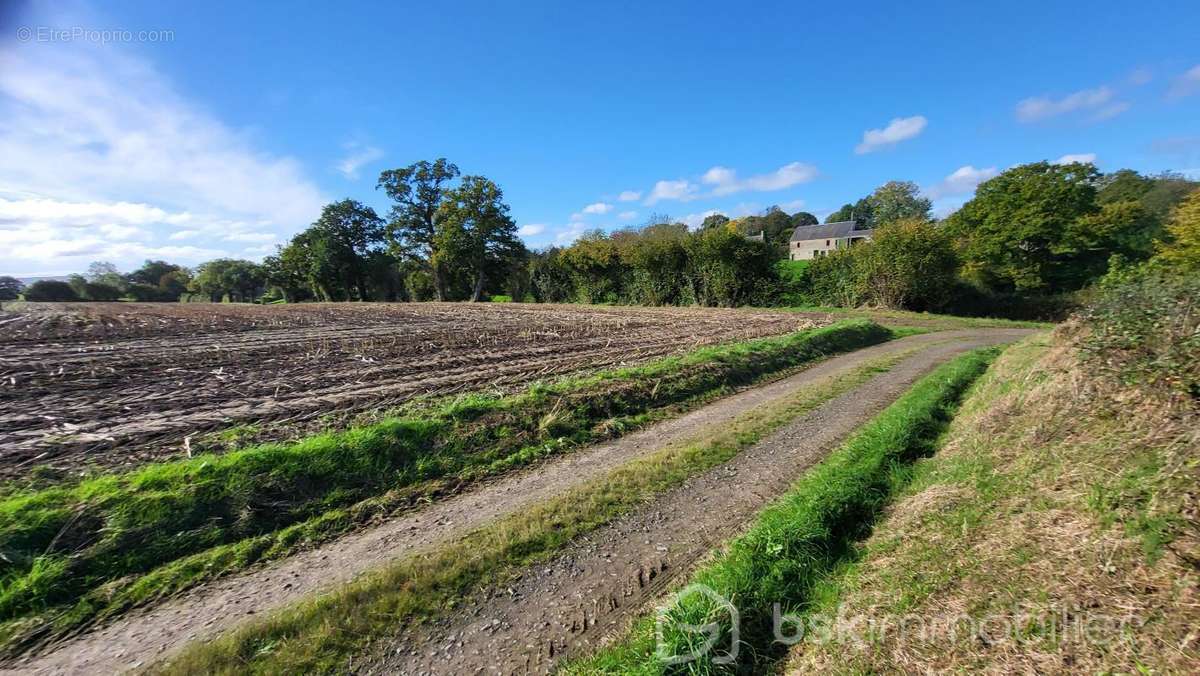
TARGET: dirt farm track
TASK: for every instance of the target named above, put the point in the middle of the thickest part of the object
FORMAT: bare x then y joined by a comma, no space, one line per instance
108,384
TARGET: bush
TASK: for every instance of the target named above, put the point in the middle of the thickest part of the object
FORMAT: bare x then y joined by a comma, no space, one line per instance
50,290
908,264
1142,329
419,285
146,293
10,288
501,299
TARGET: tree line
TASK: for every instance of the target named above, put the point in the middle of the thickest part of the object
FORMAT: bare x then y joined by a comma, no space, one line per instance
1027,240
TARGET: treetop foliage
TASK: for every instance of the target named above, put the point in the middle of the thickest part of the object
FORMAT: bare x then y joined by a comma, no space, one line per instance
1028,237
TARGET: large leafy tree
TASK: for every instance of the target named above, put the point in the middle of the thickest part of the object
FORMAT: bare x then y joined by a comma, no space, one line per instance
473,228
1020,230
417,192
152,272
897,200
105,274
349,232
859,212
240,280
774,223
1124,185
803,218
334,258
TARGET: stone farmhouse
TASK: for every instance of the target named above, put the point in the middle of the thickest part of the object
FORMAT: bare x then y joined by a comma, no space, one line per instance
813,241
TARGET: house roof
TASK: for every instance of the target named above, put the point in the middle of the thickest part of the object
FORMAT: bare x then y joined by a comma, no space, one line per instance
828,231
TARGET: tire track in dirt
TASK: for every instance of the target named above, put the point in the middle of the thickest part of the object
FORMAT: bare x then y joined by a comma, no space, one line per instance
146,635
605,578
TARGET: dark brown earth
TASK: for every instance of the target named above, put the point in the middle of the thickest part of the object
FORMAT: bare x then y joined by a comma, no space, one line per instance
117,384
687,522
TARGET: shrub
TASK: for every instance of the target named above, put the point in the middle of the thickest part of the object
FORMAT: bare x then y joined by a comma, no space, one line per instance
10,288
1142,329
50,290
149,294
909,264
501,299
419,285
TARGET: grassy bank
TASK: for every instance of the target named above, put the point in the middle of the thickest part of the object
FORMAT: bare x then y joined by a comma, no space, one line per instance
909,318
319,636
1055,532
800,538
74,553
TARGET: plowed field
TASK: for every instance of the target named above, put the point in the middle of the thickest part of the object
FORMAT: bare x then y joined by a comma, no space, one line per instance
120,383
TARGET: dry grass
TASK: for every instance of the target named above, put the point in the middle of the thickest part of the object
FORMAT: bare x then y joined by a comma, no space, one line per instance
1061,510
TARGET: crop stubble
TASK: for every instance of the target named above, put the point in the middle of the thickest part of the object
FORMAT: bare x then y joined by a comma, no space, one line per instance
110,384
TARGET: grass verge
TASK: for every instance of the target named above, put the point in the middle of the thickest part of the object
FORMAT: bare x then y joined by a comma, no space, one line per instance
907,317
75,553
319,636
798,539
1055,532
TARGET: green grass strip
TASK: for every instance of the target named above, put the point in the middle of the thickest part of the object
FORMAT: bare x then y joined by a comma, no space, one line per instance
320,636
73,553
798,540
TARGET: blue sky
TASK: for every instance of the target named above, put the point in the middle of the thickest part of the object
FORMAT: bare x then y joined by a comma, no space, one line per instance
220,128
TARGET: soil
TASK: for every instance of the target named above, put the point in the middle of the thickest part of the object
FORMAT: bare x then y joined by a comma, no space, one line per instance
655,543
107,385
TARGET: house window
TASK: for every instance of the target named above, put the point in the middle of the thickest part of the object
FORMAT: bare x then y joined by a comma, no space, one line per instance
826,242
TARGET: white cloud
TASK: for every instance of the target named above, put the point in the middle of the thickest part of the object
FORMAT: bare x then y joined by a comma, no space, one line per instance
531,230
899,129
792,206
682,190
961,181
629,196
1099,101
1080,157
726,182
357,156
693,221
85,214
598,208
569,234
251,237
184,234
627,215
1140,76
90,136
719,176
1186,84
